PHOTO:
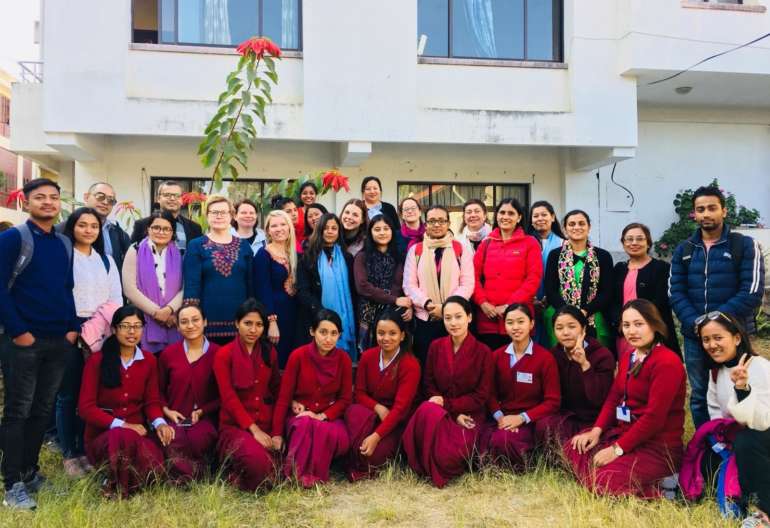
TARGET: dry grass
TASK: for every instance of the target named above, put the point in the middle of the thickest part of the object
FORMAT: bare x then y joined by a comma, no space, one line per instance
546,496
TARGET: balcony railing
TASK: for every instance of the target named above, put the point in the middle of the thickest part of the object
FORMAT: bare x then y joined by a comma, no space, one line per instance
31,71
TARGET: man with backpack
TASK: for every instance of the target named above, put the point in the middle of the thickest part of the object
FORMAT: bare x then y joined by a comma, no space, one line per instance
435,269
37,310
715,270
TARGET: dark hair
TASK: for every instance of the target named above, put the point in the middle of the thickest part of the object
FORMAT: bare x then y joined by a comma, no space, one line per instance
190,305
473,201
577,212
390,314
637,225
520,307
308,184
370,179
165,215
251,305
412,198
361,232
315,243
708,190
245,201
109,369
555,226
168,183
513,202
324,314
278,202
37,183
462,301
650,314
370,246
437,207
572,311
732,325
309,230
69,227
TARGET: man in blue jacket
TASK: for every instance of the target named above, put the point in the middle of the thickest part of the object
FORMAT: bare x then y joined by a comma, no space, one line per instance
37,310
713,271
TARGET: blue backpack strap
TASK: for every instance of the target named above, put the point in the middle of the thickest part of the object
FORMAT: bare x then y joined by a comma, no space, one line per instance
106,263
67,245
727,507
26,249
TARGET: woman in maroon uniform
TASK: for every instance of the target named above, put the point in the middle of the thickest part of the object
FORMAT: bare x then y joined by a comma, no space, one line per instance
246,371
386,384
317,387
525,390
188,393
637,439
440,439
118,397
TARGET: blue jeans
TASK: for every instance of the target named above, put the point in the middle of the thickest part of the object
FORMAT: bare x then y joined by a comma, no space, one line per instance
69,426
698,374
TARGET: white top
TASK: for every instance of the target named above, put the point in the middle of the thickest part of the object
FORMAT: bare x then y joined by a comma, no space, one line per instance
754,410
93,285
159,257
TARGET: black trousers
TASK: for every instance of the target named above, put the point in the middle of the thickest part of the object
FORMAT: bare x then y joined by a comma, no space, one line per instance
31,377
424,334
752,455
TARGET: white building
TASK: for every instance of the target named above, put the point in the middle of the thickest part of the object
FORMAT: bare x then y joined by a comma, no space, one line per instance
535,98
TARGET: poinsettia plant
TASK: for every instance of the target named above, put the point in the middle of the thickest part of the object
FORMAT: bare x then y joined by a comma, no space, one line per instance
194,202
685,225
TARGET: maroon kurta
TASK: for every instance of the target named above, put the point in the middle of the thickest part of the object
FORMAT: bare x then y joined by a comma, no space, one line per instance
652,442
395,387
531,386
132,460
186,387
582,393
249,463
322,385
435,445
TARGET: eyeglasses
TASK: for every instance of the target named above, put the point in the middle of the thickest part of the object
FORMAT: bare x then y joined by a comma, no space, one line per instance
171,196
437,221
631,240
410,209
219,213
126,327
161,229
101,197
711,316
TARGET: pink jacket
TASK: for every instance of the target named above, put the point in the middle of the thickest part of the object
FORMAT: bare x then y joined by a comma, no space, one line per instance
512,271
690,476
94,331
462,284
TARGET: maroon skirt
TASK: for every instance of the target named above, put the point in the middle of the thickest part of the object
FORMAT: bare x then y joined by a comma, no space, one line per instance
312,445
248,464
188,455
362,422
508,448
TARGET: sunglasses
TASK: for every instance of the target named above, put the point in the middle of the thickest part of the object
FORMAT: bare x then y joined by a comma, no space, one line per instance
711,316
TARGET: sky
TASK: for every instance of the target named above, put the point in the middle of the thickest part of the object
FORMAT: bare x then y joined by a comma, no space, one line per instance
17,35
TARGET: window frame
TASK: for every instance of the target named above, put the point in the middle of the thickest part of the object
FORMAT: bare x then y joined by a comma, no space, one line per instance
558,37
176,42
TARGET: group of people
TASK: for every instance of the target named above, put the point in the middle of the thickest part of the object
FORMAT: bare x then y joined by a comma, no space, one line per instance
173,348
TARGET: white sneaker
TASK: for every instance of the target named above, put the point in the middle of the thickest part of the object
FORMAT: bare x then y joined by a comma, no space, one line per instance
17,498
755,520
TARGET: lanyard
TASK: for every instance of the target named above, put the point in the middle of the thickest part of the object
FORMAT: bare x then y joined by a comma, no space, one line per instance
628,373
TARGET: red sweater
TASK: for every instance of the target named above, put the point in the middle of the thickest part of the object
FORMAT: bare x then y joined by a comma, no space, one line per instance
531,386
584,393
463,379
395,387
512,272
136,400
185,387
300,383
656,400
243,407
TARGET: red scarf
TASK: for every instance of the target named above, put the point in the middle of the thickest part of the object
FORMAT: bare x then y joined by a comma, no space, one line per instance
326,367
242,369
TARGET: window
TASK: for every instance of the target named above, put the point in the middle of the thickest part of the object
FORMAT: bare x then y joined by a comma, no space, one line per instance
217,22
491,29
453,196
235,191
8,175
5,116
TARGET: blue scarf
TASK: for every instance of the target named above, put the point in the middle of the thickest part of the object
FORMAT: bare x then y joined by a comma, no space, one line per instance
553,241
335,295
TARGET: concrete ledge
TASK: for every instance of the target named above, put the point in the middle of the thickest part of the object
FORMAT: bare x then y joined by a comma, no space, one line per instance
205,50
503,63
745,8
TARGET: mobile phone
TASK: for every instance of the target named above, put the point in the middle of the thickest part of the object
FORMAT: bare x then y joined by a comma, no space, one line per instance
185,423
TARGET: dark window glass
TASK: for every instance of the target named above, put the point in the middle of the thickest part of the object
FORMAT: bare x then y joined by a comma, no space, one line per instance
433,22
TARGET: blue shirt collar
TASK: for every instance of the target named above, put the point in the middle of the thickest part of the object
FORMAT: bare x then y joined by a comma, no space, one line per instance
138,356
205,345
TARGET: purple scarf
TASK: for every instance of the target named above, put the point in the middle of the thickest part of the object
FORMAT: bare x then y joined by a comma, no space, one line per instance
156,336
412,236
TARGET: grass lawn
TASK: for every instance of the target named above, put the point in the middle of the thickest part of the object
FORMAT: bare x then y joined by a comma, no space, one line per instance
547,496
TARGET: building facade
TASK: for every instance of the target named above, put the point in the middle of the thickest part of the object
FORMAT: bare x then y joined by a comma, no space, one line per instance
444,100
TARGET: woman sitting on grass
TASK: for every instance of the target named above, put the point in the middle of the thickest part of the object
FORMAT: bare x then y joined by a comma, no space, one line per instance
637,439
386,384
118,398
188,392
440,439
317,387
525,390
246,371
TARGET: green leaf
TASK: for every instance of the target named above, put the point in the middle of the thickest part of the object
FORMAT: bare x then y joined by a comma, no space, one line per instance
248,121
224,95
273,76
242,61
233,106
208,159
270,63
246,97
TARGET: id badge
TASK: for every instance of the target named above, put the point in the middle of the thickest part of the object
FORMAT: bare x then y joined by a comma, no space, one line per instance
623,413
524,377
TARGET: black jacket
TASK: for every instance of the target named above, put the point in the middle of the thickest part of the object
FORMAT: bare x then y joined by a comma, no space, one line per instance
651,284
191,229
309,294
603,299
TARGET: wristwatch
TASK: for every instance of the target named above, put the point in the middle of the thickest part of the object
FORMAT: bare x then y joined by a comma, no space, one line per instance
618,450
